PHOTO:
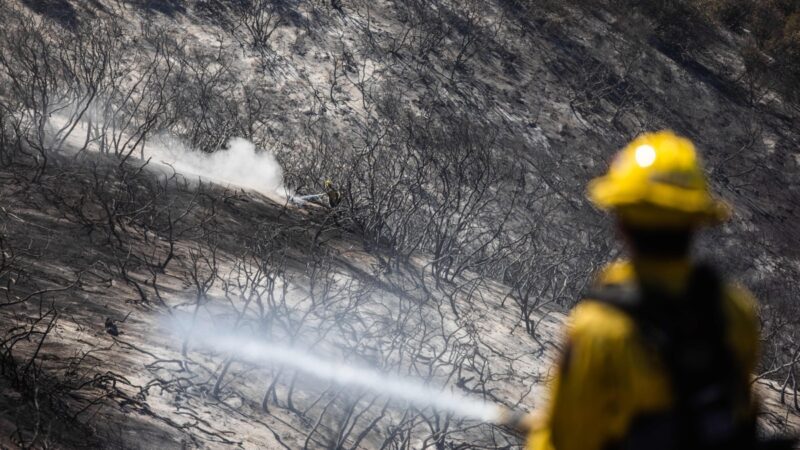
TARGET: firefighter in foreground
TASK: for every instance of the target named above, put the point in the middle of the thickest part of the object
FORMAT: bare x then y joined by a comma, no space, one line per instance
659,353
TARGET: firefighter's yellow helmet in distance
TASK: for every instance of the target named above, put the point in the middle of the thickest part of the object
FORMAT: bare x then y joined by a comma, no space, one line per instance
657,181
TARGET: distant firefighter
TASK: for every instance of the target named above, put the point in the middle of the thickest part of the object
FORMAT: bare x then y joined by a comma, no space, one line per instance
659,354
334,197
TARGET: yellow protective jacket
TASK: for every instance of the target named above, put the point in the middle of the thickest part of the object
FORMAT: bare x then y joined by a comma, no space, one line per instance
611,378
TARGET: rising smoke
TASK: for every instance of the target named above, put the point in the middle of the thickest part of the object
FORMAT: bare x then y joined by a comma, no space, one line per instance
238,163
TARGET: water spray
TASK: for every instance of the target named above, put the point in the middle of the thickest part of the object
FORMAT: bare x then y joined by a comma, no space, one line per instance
303,199
406,389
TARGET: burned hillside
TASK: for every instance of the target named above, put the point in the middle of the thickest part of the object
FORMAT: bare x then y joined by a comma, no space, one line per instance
164,163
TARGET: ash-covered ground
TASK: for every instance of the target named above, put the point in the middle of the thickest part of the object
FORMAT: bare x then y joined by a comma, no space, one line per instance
150,153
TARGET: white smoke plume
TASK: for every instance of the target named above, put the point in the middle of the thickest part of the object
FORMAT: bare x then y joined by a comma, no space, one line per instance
239,163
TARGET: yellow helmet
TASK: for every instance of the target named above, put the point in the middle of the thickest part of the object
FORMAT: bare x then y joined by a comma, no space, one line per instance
657,181
328,184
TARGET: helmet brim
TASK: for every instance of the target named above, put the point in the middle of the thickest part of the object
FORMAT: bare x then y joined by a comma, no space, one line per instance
658,205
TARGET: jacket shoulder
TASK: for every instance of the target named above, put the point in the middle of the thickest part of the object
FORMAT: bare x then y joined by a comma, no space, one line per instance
739,305
740,302
617,272
599,319
592,319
